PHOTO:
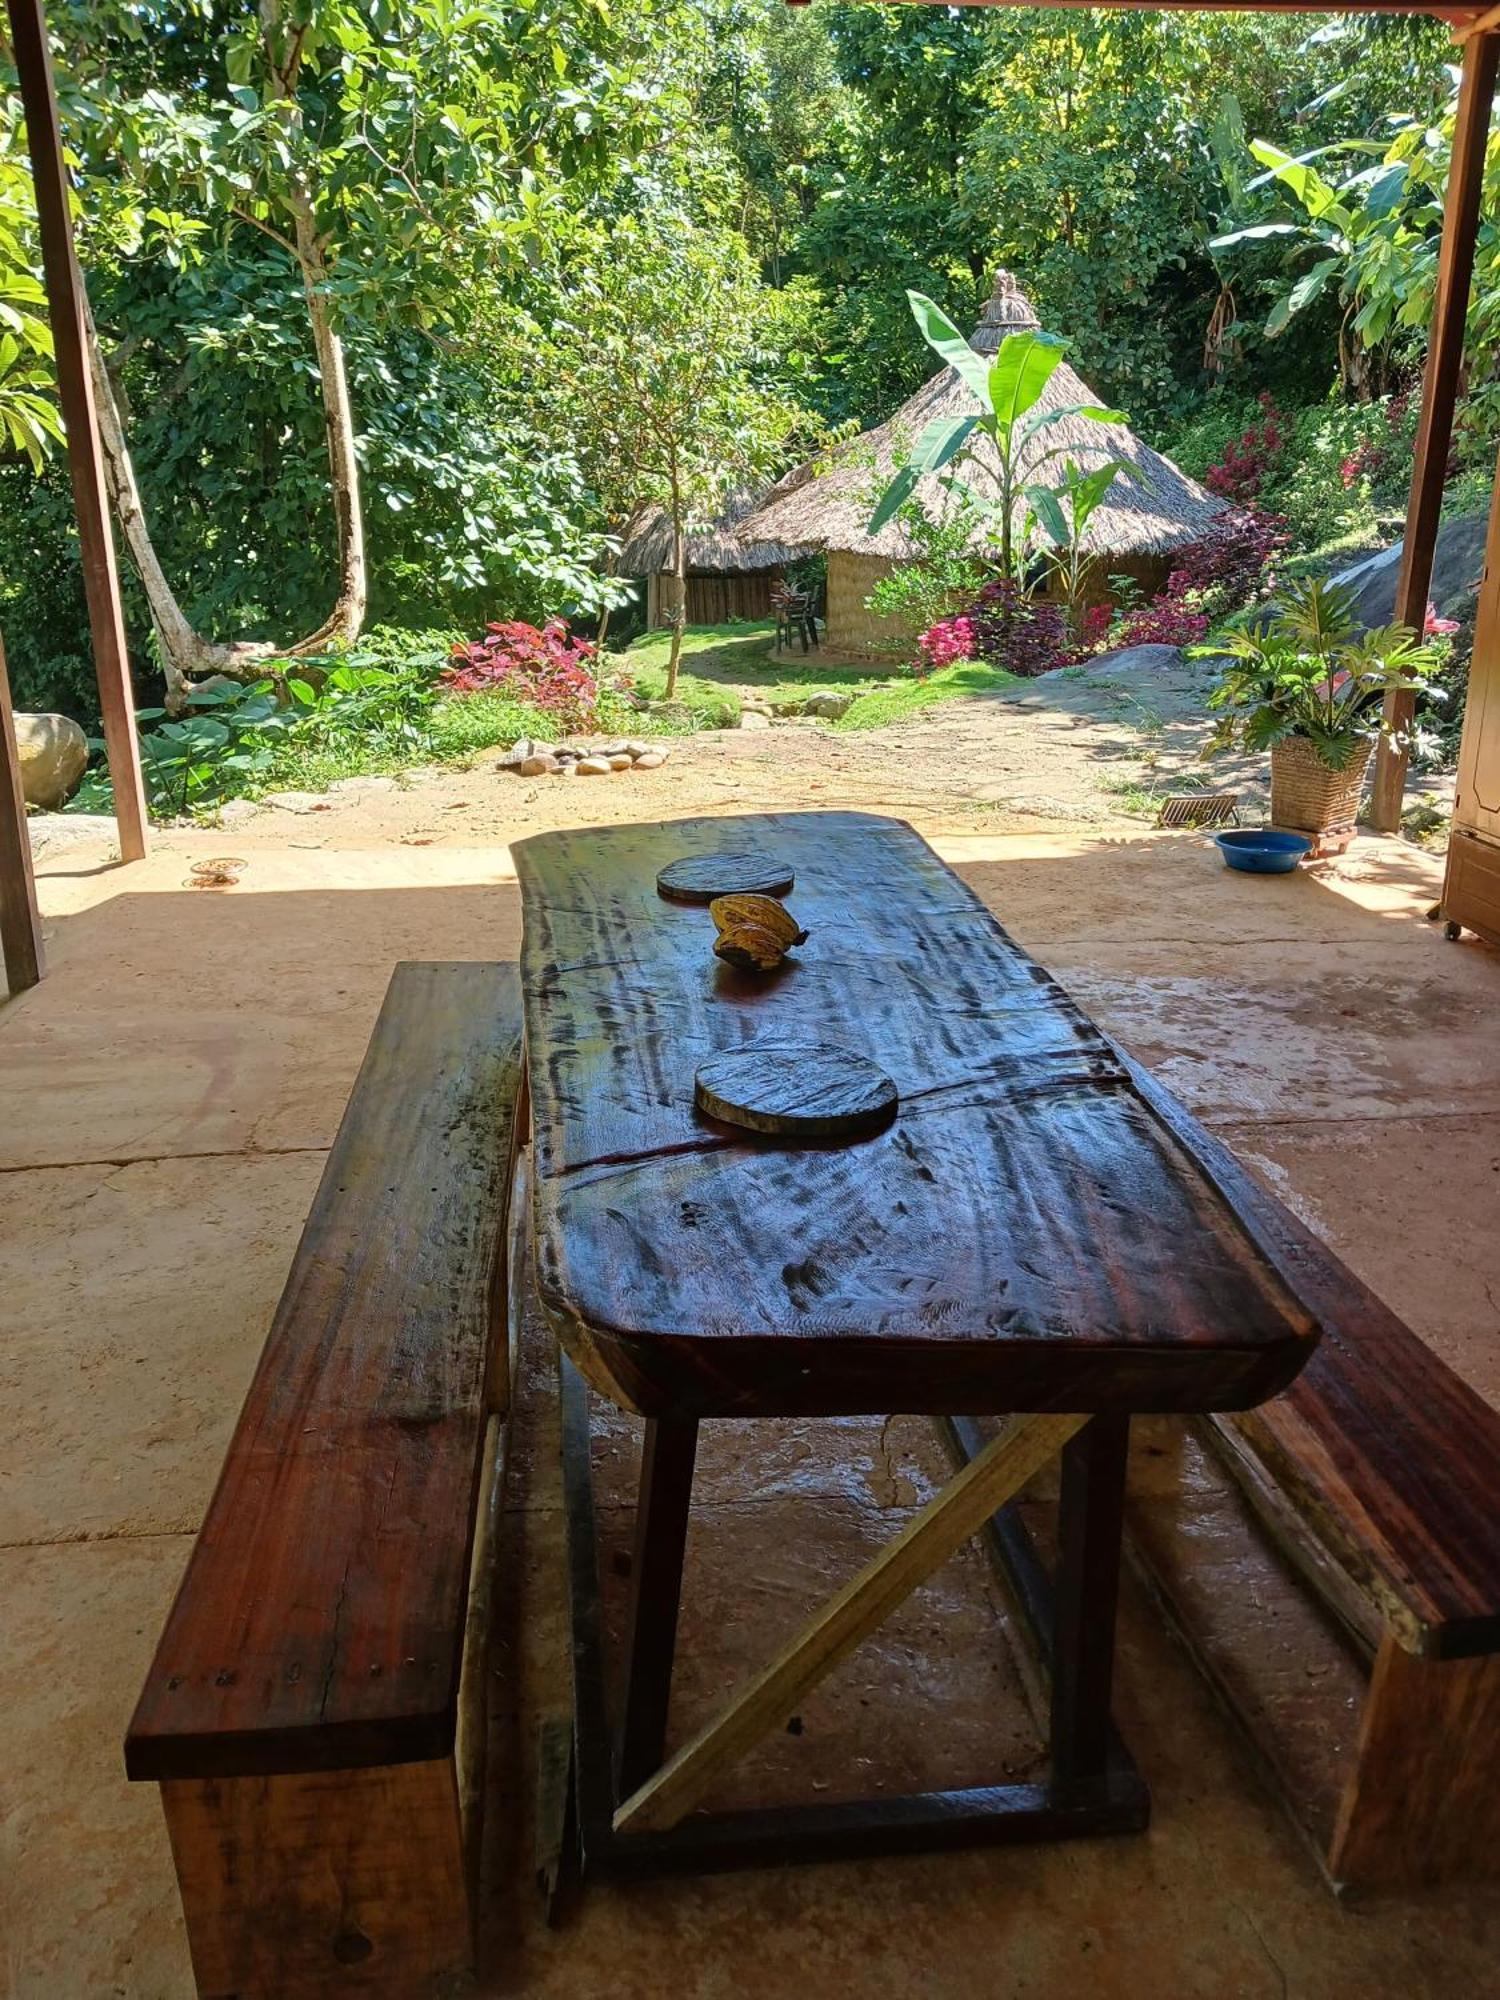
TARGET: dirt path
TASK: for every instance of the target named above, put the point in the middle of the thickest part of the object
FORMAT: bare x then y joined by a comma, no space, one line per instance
1085,747
1075,749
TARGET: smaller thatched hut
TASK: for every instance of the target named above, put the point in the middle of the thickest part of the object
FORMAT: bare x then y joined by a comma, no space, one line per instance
727,576
1152,508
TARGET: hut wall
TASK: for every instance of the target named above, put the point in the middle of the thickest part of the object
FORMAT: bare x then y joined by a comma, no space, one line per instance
850,627
713,597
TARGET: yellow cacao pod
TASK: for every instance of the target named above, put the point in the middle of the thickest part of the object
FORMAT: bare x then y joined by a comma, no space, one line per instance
749,946
761,913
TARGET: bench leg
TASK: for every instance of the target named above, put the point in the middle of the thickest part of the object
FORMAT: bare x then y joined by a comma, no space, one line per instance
1422,1804
661,1524
322,1883
1090,1517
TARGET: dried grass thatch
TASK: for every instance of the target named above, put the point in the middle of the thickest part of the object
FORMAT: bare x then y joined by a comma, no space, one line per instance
646,545
827,503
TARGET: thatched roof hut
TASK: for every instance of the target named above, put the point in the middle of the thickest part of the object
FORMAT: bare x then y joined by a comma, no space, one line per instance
1152,508
729,576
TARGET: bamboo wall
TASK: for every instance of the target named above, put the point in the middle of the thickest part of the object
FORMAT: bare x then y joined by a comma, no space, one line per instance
713,597
850,628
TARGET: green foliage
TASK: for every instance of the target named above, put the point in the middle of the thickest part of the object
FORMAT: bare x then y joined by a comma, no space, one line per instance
945,572
29,420
1342,472
516,208
1310,670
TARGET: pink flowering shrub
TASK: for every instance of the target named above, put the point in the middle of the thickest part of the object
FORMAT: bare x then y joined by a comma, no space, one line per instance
1249,459
1434,627
544,667
949,640
1025,635
1230,566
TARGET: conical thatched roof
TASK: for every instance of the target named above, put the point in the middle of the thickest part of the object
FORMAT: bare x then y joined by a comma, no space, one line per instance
1151,508
646,543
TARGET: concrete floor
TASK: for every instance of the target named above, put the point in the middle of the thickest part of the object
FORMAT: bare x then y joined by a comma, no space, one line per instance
165,1099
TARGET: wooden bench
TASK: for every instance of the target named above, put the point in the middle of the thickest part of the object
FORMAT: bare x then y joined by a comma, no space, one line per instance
1378,1475
314,1711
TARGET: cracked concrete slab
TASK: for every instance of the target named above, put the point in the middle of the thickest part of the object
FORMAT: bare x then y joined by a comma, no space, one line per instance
217,1034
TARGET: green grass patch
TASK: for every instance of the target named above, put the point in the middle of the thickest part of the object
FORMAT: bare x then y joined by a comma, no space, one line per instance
719,660
881,706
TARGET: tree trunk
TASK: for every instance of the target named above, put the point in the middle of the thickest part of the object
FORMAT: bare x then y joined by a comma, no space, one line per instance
186,656
679,572
611,570
346,620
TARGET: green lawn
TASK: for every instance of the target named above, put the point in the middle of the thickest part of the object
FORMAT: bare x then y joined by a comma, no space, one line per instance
718,660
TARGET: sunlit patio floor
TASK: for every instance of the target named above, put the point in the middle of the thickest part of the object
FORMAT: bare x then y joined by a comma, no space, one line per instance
165,1099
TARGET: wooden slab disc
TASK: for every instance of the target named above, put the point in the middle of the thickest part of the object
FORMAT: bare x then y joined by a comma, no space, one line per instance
796,1090
727,871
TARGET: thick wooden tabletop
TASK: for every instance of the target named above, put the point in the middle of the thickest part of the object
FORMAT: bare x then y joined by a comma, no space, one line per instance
1026,1235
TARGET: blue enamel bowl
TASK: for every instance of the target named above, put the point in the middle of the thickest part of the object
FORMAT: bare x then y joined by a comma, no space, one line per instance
1262,850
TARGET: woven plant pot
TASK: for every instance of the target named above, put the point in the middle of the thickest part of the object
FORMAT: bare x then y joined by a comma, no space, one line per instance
1309,797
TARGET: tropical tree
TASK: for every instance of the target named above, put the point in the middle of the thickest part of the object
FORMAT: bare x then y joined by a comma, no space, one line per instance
381,161
665,360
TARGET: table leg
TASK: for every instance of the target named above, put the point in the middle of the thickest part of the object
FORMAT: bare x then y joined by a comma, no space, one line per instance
1087,1590
661,1523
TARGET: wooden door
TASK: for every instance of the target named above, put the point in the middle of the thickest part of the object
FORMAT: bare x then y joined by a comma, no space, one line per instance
1471,885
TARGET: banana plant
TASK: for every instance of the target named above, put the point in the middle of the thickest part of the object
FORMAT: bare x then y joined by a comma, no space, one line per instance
1353,234
1011,421
1062,513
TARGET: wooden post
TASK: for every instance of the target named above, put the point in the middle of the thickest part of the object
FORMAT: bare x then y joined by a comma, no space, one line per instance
1439,393
101,580
20,925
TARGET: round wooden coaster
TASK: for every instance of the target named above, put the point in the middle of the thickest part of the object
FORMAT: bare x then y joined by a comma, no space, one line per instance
796,1090
728,871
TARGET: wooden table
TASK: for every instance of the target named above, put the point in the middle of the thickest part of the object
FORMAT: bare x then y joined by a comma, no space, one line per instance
1027,1236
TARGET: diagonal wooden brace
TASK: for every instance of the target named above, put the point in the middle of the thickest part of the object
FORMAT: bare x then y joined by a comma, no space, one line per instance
948,1520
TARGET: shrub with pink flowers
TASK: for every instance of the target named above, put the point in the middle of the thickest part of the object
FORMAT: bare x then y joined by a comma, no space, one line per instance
542,666
1003,625
1251,458
1231,566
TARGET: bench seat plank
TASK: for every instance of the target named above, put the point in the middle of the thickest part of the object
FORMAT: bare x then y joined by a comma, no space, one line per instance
1390,1459
320,1621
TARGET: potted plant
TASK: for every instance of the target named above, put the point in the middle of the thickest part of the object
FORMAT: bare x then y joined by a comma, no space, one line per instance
1308,683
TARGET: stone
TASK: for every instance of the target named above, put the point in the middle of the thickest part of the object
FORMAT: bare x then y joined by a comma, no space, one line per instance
651,760
54,756
829,706
234,812
567,767
593,767
754,718
611,749
296,802
373,783
635,747
521,749
538,765
621,761
1457,562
